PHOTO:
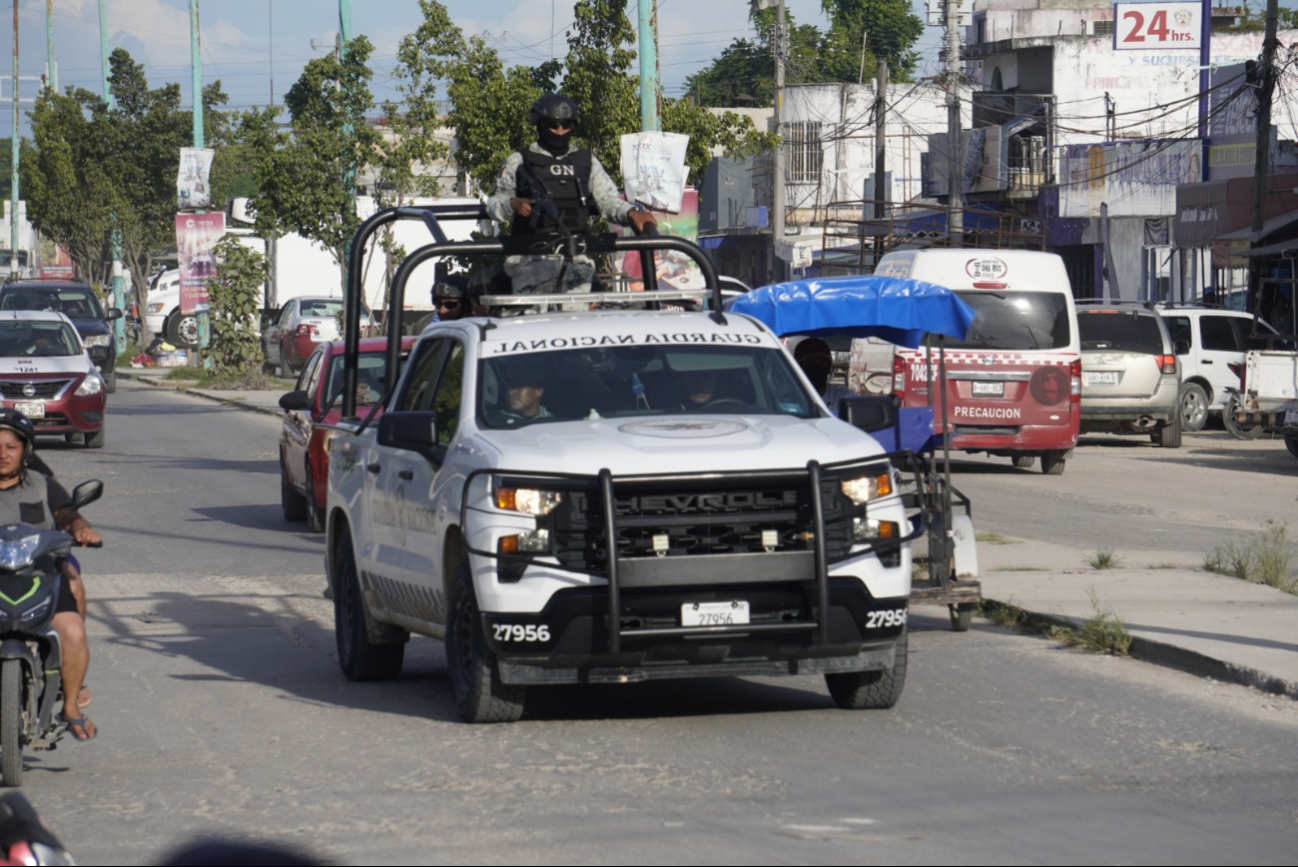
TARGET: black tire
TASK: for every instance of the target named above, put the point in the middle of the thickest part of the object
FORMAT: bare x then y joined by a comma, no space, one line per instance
96,440
70,438
293,503
181,331
110,382
358,657
1291,443
1233,427
480,696
11,722
871,690
1168,436
961,616
1194,407
1024,462
1052,462
315,516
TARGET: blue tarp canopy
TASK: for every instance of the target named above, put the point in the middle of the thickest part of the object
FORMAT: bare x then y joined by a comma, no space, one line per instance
895,309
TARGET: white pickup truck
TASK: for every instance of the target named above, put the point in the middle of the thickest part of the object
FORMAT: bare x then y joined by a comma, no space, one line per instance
1269,387
612,497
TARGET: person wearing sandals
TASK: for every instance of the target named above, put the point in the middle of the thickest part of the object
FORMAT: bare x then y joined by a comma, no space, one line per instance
33,498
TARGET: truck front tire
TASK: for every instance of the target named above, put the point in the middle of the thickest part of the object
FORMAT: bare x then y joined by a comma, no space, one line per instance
480,696
871,690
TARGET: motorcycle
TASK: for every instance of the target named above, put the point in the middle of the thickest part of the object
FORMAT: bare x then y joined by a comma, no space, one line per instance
30,652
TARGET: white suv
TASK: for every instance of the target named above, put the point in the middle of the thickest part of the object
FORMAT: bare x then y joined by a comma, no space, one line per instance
1216,341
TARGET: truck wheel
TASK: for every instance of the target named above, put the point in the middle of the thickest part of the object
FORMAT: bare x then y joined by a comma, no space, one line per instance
1234,428
1169,435
871,690
1024,462
480,696
1052,462
314,514
961,616
358,657
181,331
11,722
1291,443
1194,407
293,503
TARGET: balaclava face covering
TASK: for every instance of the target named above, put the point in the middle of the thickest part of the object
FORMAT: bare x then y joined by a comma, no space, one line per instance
552,141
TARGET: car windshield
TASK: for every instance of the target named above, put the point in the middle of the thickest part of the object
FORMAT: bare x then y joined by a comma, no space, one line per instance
370,377
72,303
627,381
1016,320
28,339
1120,330
321,308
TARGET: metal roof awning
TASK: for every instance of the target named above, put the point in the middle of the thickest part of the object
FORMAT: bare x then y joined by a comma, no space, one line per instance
1270,227
1282,248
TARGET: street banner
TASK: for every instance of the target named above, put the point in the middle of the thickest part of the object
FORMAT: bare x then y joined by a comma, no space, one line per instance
653,165
676,271
196,238
193,184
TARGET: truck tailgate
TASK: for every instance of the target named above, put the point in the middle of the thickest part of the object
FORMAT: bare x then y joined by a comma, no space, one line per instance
1271,381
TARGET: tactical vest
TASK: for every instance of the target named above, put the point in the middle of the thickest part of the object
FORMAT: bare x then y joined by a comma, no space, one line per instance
566,179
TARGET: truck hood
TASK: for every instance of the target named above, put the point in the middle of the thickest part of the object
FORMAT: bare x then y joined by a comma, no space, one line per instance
686,444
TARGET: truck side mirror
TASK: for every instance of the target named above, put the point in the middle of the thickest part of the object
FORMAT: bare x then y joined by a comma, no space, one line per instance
114,313
869,413
412,430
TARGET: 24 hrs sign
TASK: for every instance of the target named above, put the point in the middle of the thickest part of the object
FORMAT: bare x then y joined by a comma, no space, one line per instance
1149,26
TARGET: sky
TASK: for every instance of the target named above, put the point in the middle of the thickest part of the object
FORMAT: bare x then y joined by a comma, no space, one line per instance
248,44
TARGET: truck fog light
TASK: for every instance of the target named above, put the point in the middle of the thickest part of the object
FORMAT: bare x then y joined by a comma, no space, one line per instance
863,490
870,529
770,539
531,542
662,543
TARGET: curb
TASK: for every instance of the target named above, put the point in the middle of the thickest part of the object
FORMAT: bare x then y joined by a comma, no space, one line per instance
1179,658
233,404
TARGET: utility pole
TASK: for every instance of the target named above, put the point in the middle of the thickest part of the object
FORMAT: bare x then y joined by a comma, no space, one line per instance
1266,86
196,85
777,179
103,50
119,327
650,120
955,183
880,138
49,42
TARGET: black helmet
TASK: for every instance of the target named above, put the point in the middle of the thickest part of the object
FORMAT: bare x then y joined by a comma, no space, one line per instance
553,106
451,286
12,419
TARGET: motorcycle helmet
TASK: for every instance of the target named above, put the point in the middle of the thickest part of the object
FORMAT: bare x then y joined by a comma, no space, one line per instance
553,106
12,419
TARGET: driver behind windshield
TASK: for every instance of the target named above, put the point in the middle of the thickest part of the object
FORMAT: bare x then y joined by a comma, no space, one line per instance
522,390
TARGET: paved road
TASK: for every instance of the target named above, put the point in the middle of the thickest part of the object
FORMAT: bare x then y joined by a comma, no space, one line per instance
222,711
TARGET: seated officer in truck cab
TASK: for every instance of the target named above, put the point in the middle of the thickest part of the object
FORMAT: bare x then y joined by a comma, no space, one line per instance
521,394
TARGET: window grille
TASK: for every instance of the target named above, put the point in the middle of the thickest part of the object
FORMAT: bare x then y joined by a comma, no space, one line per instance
805,155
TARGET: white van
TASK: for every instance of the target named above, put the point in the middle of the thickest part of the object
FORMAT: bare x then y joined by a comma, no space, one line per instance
1014,382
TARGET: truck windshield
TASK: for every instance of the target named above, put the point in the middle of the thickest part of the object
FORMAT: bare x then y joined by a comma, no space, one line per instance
625,381
1016,320
28,339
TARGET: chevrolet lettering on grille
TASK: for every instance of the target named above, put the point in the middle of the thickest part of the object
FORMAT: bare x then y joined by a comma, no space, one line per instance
678,503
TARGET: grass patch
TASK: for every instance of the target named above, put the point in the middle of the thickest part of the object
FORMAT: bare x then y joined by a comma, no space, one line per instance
207,379
992,538
1163,566
1104,558
1020,569
1104,632
1264,557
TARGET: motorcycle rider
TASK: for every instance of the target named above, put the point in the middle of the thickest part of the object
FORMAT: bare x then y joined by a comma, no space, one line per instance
29,497
551,186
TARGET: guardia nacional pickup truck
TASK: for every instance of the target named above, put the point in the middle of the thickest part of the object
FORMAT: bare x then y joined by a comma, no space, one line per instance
615,496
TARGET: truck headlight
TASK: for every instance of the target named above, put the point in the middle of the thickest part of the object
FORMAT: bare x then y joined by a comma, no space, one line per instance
154,308
99,340
869,530
92,384
863,490
529,501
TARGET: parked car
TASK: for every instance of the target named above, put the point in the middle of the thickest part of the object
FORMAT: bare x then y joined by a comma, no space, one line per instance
78,302
1215,342
302,325
303,461
1131,378
47,375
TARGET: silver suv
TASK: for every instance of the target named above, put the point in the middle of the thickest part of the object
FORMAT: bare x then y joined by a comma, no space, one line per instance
1131,378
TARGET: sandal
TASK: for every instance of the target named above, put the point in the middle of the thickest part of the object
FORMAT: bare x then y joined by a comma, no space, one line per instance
77,721
84,697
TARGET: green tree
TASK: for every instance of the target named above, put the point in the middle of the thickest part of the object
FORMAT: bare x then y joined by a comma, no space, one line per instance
746,68
235,295
6,168
889,28
301,172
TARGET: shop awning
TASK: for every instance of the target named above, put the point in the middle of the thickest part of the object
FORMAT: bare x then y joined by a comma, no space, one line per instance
1282,248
